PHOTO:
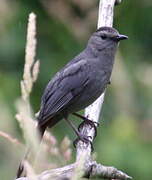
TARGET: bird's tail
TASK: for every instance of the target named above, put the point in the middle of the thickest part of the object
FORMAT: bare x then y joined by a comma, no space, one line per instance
41,129
21,165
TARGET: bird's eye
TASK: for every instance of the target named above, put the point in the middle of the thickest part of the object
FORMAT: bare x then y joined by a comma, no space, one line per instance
103,36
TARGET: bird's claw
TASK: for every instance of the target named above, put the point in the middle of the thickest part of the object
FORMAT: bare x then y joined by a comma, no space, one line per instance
84,139
91,123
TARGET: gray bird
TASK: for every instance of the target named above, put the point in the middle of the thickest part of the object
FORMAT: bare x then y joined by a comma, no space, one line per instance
81,81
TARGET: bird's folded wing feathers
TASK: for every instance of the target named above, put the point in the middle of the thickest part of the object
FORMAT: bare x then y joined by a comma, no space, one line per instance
61,90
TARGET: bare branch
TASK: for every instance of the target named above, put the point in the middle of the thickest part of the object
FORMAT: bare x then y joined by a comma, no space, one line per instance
105,18
92,112
10,138
91,169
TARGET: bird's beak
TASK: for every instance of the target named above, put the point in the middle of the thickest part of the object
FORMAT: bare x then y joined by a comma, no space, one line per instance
121,37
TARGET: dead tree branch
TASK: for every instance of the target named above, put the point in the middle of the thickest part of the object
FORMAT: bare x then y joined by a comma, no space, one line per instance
91,170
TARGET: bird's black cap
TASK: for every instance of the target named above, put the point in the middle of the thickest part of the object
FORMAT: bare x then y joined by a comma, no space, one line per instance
113,33
107,29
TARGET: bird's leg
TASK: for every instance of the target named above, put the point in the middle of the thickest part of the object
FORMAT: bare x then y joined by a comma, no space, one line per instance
86,120
82,137
72,126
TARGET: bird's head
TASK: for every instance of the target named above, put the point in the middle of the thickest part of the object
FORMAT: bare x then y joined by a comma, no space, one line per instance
106,37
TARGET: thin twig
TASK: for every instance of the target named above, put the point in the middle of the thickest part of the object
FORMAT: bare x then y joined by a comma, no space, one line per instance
10,138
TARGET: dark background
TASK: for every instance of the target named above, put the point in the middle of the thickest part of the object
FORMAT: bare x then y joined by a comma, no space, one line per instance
63,27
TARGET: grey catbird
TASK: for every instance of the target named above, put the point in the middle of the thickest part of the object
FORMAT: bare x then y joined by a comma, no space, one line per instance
80,82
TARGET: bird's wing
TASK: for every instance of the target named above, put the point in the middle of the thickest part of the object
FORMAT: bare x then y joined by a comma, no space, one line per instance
61,90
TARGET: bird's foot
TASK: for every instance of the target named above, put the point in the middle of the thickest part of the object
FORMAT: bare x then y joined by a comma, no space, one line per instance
91,123
85,139
85,118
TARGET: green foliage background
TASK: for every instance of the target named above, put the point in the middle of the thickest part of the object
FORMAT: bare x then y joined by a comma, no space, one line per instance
125,135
